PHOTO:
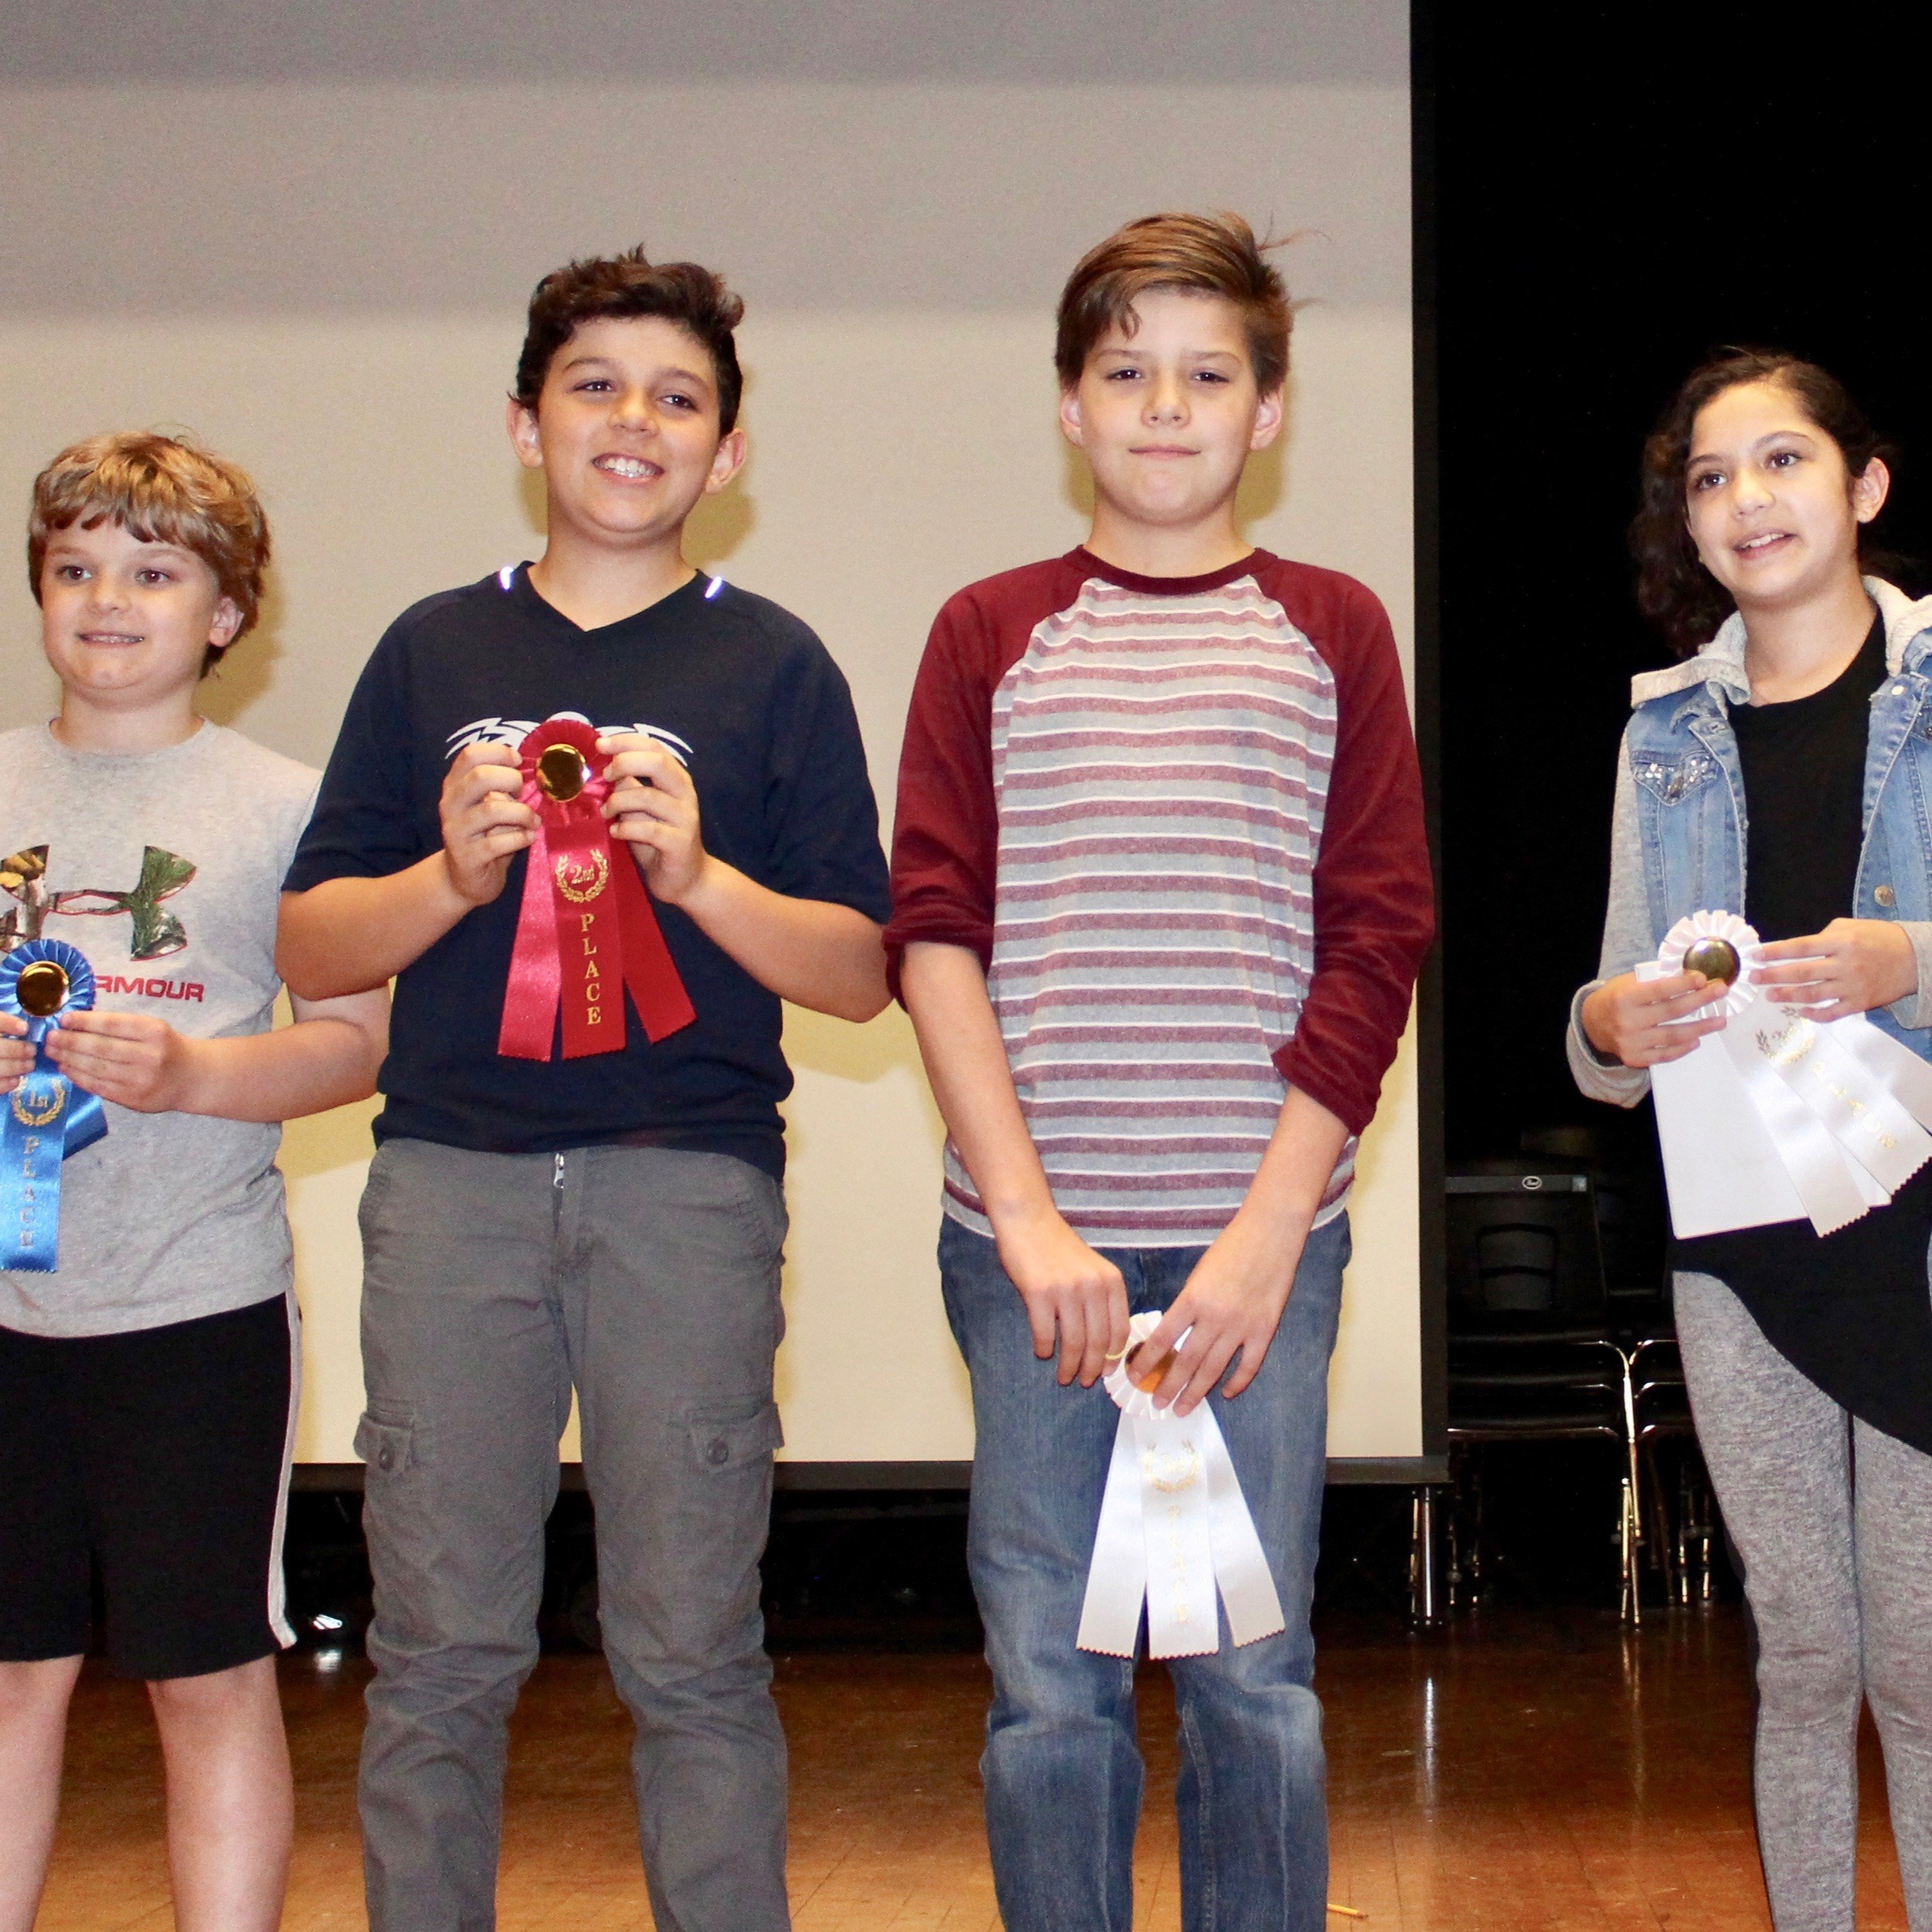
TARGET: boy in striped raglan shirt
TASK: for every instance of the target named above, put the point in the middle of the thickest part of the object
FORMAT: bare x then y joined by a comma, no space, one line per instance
1160,893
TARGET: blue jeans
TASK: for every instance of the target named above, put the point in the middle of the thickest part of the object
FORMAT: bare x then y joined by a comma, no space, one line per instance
1062,1769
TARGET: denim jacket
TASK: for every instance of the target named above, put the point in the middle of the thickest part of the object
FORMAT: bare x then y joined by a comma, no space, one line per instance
1678,832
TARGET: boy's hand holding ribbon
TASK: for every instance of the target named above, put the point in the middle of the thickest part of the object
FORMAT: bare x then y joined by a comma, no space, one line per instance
1175,1534
45,1116
487,818
586,935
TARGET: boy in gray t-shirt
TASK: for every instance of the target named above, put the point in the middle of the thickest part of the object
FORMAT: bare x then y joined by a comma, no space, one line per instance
147,1382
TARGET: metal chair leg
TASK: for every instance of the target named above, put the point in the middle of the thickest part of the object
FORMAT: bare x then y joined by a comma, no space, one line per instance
1686,1529
1631,1608
1630,1521
1456,1566
1425,1608
1666,1548
1702,1532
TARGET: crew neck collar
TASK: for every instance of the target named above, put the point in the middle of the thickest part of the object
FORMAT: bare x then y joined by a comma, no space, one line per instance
1169,586
205,730
533,601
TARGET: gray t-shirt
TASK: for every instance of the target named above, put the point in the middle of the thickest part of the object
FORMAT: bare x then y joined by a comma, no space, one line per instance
164,868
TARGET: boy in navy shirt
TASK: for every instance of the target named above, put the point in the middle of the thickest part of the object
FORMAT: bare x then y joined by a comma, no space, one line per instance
607,1218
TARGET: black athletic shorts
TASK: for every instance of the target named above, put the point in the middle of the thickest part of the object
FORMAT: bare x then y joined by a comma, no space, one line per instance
161,1457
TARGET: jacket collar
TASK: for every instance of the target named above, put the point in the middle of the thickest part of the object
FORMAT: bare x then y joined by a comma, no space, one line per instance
1720,666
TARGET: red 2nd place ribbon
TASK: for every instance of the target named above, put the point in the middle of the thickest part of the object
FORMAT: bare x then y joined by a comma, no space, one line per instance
585,931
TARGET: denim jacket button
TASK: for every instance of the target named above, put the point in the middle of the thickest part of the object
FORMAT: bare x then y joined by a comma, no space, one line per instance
1885,897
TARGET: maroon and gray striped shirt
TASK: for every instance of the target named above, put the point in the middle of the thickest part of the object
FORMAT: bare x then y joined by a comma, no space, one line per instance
1180,822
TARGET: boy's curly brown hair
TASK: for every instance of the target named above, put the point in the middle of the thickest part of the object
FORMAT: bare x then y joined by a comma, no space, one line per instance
623,287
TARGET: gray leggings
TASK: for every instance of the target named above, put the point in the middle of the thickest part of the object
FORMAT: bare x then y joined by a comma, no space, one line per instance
1840,1576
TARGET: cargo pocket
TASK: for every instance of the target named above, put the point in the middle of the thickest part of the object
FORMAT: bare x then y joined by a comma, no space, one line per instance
387,1448
722,1442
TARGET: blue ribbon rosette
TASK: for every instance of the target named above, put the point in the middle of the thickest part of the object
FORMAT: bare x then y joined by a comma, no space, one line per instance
46,1118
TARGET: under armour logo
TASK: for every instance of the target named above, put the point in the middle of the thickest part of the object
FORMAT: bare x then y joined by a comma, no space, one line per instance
156,932
24,875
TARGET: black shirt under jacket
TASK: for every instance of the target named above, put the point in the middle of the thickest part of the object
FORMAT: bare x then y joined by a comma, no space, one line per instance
751,701
1852,1310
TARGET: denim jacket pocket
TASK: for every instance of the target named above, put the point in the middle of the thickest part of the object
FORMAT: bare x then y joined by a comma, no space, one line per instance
1671,776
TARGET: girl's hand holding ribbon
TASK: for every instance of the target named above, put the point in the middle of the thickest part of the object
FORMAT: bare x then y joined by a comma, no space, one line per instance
1851,966
653,807
485,821
1644,1022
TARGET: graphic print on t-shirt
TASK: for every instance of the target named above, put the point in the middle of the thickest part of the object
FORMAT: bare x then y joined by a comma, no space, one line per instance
513,731
155,931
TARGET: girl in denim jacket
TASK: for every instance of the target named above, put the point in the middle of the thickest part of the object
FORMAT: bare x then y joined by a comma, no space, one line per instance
1802,714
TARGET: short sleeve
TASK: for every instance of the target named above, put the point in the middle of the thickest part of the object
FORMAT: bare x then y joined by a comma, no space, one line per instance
298,809
819,806
367,823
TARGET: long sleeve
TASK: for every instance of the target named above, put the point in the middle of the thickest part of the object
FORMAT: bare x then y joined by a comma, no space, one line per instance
1627,938
1373,901
945,847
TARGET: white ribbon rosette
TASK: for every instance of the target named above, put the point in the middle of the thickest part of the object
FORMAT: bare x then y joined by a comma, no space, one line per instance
1697,933
1173,1531
1778,1117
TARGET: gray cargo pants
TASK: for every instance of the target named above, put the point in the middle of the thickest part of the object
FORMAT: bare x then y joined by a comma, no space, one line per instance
648,1280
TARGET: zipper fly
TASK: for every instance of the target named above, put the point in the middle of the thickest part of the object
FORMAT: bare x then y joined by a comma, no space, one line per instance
556,1179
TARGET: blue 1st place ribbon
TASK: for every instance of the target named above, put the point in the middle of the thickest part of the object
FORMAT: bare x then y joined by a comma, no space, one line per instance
46,1118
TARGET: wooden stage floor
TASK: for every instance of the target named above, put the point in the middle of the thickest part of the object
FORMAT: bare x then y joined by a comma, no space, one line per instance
1520,1771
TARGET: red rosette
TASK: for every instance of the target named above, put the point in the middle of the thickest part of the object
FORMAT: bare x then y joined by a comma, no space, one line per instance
585,931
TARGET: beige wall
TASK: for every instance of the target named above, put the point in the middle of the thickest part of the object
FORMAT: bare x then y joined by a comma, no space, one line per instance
324,279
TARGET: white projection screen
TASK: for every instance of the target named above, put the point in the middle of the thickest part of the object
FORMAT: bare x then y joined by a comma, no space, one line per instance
308,235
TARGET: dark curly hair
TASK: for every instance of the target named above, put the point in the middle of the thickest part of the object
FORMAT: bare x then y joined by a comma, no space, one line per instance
1673,588
622,287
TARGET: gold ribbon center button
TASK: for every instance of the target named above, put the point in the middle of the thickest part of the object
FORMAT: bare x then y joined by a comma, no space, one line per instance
1717,959
560,771
42,988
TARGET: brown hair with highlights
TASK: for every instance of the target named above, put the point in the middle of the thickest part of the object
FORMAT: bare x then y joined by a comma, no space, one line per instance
1674,590
160,490
622,288
1197,254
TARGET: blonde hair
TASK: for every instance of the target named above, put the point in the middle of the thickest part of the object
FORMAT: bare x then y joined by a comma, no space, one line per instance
160,490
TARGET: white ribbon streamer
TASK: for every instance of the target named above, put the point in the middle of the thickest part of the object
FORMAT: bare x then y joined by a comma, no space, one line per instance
1174,1530
1846,1107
